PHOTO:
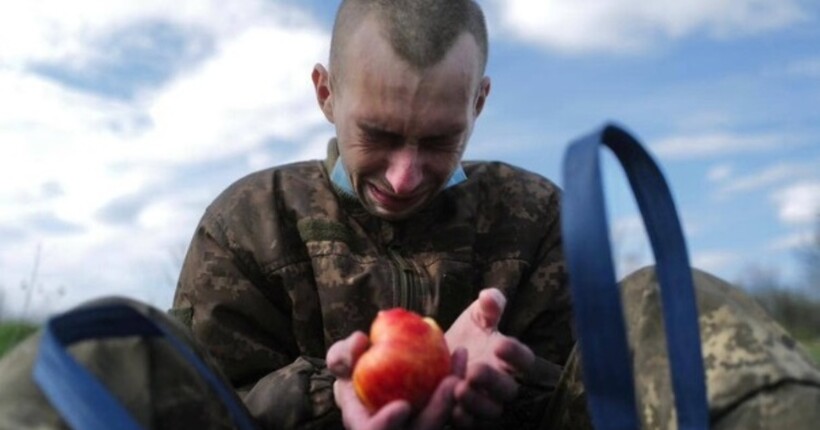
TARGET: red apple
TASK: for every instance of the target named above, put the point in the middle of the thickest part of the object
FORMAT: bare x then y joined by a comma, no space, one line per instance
407,359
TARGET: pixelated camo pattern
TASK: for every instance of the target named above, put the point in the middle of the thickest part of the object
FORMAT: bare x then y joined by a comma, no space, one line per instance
147,376
281,267
758,377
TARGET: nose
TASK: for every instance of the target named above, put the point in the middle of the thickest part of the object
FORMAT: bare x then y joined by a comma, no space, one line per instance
404,172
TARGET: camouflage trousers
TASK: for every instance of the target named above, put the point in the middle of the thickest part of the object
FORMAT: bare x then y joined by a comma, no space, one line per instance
757,376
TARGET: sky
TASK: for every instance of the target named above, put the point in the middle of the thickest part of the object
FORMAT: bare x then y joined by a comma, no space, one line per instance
120,121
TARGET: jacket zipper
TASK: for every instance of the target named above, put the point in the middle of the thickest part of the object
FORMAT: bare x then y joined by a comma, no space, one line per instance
407,277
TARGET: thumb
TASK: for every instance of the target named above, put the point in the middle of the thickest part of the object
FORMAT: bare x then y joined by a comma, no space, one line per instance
491,303
343,355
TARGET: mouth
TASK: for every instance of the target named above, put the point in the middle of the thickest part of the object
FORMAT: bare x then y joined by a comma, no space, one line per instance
392,202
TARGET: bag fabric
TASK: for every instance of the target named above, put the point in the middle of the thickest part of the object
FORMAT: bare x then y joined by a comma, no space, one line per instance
597,304
758,377
158,386
643,349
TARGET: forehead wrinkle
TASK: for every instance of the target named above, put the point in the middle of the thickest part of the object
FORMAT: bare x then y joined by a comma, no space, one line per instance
430,112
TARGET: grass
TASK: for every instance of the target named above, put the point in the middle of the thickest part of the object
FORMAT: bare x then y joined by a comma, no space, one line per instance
813,347
11,333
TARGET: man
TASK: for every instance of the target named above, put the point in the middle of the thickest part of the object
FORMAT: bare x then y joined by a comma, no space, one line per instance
289,265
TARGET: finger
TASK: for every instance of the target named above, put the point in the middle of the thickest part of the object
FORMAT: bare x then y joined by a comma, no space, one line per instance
477,403
438,409
517,357
342,355
346,398
462,419
499,385
353,412
491,303
458,361
356,416
359,343
391,416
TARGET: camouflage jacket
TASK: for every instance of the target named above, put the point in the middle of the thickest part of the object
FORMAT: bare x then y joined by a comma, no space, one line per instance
282,265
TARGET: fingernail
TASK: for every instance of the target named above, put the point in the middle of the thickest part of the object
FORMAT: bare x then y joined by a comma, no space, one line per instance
497,296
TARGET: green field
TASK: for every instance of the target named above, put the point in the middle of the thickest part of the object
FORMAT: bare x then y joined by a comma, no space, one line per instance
12,333
813,347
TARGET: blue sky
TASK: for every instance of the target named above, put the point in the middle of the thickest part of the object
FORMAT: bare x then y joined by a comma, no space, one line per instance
120,121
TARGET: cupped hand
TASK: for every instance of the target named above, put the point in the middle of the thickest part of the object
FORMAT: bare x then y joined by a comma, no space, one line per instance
493,361
341,359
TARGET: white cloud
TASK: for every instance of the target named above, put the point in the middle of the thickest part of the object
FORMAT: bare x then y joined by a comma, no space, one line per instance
793,241
706,118
720,173
809,67
798,203
55,30
715,261
631,248
771,175
634,25
256,86
630,245
72,154
717,143
315,147
53,134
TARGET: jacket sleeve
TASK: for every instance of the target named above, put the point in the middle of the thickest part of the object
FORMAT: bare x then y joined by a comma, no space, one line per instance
243,317
540,315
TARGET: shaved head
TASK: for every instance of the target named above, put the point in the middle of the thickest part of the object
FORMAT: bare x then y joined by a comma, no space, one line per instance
421,32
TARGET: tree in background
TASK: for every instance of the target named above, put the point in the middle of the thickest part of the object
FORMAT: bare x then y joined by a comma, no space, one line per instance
810,257
796,309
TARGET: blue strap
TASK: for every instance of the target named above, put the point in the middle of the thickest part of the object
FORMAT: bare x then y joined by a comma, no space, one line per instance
607,363
78,396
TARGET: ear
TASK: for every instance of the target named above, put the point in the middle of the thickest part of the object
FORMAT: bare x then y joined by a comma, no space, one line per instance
324,93
481,97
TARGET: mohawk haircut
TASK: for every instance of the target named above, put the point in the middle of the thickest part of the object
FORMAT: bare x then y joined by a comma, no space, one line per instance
421,32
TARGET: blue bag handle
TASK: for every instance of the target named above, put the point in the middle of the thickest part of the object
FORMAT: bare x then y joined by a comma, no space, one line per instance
607,364
78,396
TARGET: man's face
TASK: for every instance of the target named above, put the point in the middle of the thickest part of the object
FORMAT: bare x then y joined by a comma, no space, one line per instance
402,132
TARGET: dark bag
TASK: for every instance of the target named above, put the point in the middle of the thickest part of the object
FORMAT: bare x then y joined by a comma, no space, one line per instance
115,363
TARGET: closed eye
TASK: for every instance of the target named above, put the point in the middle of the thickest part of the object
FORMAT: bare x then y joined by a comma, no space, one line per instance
442,143
380,137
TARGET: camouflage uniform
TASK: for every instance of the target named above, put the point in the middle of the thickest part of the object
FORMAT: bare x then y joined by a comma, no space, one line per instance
283,264
757,376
